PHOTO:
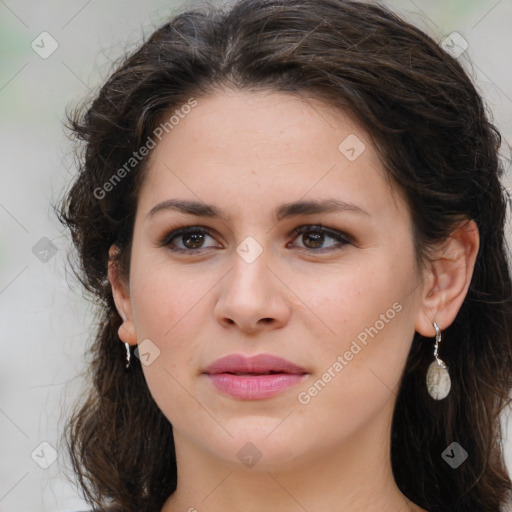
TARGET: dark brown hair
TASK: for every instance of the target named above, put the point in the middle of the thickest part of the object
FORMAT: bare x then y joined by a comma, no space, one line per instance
440,150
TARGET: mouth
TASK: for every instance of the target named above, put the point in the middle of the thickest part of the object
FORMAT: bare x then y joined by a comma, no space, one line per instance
253,374
254,378
261,364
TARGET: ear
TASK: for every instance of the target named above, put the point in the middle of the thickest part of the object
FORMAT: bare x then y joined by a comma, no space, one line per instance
447,279
121,294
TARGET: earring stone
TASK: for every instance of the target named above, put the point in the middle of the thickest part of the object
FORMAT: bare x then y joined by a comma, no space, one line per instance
438,378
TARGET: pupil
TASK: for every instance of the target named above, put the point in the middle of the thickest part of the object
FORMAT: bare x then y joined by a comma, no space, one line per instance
318,237
196,239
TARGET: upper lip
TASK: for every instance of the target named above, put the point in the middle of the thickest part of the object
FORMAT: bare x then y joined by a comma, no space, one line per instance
259,364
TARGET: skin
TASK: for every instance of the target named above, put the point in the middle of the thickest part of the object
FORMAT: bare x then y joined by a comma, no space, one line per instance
247,153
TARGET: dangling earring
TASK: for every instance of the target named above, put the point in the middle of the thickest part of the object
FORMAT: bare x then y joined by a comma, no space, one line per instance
128,355
438,378
127,345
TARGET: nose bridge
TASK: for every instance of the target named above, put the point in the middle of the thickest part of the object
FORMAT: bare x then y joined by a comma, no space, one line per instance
249,263
251,296
248,279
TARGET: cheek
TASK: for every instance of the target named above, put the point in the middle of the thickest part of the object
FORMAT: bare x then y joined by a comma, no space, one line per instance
168,310
354,299
370,322
373,327
166,300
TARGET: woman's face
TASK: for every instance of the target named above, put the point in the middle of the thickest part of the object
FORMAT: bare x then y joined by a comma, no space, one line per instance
339,301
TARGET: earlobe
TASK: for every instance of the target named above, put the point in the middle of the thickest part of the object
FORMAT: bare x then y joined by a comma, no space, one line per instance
127,333
121,297
448,279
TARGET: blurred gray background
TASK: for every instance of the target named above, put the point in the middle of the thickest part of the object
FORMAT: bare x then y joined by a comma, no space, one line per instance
52,53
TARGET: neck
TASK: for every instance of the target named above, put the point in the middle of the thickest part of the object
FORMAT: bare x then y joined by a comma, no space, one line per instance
354,477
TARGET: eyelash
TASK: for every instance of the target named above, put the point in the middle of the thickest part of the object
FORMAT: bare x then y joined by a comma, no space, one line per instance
342,238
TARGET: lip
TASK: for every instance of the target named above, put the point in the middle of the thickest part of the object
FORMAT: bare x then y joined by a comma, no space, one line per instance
248,378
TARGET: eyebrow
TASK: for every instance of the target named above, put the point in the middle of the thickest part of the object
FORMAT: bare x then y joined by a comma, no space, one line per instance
286,210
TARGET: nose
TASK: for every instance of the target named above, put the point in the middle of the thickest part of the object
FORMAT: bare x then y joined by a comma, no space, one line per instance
252,298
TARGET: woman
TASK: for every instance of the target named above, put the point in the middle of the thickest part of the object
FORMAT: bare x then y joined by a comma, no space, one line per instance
290,213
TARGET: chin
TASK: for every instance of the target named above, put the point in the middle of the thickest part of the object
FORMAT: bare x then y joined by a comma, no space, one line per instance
259,445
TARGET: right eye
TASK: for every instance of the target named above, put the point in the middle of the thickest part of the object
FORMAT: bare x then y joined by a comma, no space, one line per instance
189,239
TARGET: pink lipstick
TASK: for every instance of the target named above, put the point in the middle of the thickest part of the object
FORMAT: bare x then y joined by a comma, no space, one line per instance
253,378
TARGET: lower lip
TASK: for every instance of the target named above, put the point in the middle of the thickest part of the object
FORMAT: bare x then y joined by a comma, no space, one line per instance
255,387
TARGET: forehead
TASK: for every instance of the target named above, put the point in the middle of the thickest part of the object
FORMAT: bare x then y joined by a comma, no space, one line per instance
256,147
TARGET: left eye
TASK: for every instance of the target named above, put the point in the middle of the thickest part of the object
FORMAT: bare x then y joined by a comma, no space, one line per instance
314,237
191,239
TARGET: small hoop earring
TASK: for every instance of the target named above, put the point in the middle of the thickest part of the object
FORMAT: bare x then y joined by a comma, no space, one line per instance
438,377
128,355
